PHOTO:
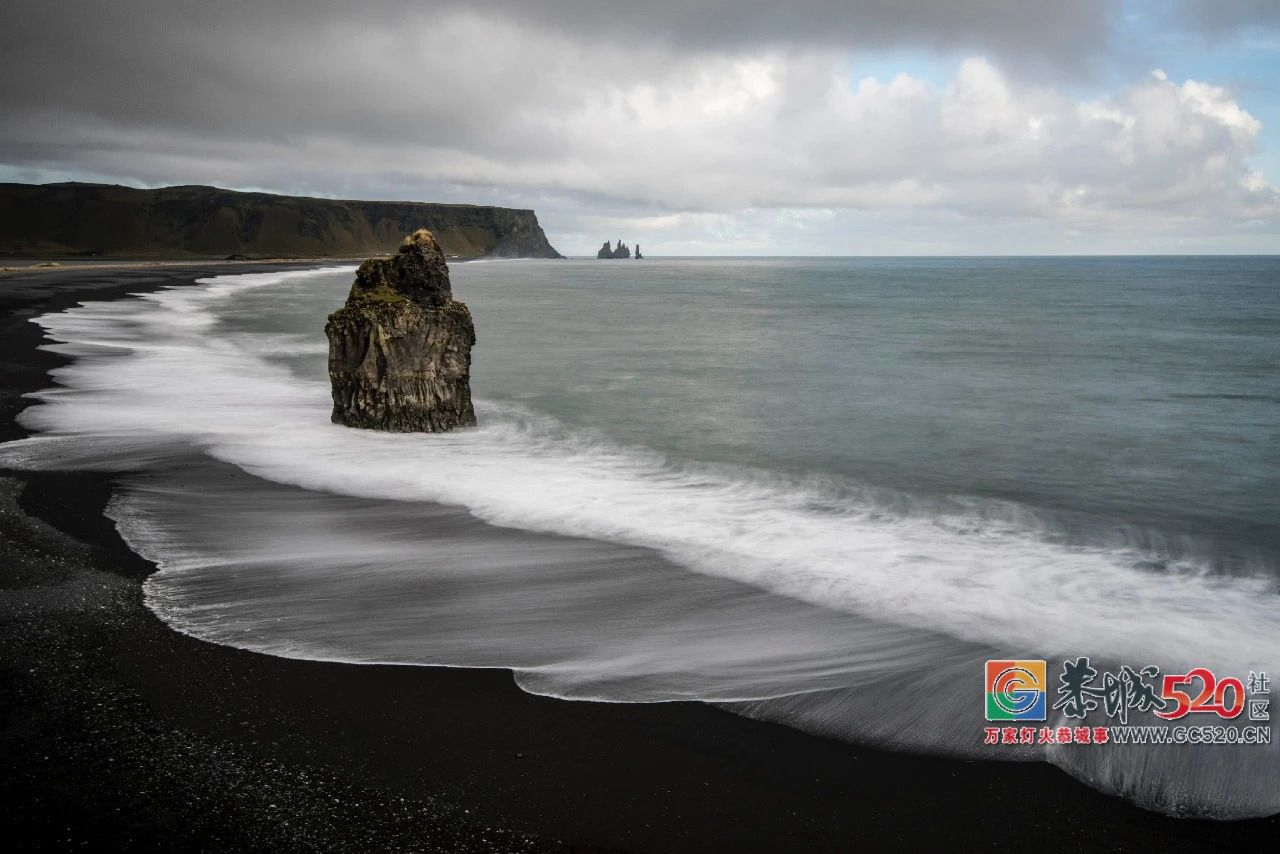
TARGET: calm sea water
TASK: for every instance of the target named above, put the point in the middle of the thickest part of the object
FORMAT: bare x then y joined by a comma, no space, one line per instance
1134,391
795,486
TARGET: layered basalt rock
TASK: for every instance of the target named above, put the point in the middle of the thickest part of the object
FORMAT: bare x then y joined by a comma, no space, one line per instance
400,349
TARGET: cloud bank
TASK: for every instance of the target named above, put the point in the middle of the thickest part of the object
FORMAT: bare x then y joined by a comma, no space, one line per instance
701,127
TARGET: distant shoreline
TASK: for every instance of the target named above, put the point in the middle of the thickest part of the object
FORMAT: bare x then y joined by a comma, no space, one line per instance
64,265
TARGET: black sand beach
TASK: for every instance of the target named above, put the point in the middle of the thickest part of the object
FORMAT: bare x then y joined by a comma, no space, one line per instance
117,733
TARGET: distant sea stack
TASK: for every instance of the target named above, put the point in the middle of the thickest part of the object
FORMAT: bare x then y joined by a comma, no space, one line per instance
621,251
639,257
102,221
400,349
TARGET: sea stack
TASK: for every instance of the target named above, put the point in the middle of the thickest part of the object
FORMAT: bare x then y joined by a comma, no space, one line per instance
620,251
400,349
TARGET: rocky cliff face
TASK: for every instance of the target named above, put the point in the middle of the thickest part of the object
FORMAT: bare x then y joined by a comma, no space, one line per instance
400,349
61,220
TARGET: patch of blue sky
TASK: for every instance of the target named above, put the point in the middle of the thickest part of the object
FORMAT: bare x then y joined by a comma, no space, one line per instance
935,69
1245,62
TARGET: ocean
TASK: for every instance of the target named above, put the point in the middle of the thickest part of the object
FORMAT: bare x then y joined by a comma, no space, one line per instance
821,492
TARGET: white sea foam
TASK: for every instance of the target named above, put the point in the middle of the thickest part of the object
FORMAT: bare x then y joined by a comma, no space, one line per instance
977,579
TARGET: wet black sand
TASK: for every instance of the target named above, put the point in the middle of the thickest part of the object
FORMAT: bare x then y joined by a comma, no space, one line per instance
117,733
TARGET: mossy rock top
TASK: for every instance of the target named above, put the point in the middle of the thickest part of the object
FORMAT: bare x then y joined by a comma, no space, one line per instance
417,272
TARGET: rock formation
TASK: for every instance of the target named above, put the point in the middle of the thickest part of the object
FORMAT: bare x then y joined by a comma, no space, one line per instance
638,255
621,251
400,349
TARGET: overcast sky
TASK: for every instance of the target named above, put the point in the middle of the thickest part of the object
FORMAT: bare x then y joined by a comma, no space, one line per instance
806,127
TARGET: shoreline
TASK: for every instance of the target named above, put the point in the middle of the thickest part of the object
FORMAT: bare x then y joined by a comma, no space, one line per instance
293,754
26,266
80,265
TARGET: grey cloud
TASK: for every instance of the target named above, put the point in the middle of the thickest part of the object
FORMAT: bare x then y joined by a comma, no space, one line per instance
301,66
1022,30
1035,31
672,115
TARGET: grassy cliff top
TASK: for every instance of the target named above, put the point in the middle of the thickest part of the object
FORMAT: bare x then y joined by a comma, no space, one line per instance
188,222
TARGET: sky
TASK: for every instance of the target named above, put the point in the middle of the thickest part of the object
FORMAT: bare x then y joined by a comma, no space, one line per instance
721,127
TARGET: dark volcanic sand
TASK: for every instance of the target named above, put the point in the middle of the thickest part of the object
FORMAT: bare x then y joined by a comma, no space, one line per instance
116,732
